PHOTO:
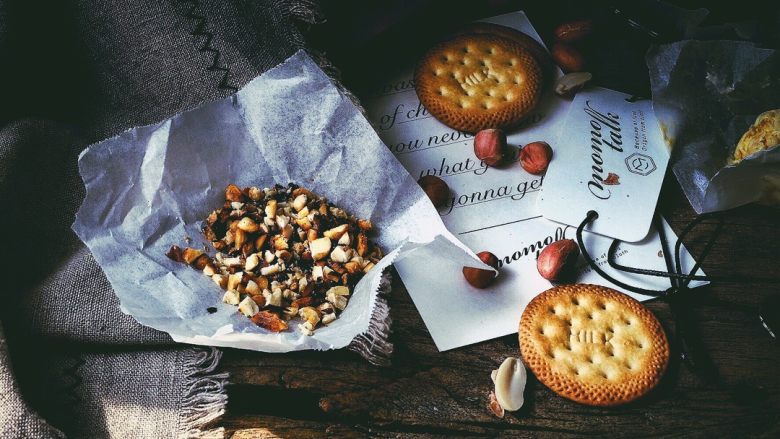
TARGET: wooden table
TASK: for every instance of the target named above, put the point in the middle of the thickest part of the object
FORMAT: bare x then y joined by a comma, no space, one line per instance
426,393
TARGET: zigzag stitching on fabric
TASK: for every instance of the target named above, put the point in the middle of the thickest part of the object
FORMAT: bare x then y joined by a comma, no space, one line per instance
200,31
72,372
67,388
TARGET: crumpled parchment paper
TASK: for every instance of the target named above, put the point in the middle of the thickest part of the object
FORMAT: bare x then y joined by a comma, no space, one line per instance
705,95
152,186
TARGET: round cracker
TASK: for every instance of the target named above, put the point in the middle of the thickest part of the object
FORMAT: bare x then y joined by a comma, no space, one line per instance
538,51
473,82
593,345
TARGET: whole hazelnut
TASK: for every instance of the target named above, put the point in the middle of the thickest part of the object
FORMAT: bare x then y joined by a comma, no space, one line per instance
535,157
572,31
558,261
567,57
478,277
490,146
436,189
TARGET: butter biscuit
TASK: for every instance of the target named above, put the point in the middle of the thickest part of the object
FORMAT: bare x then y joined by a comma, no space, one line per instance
478,81
593,345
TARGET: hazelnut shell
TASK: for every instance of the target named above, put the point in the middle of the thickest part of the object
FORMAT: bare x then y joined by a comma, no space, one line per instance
478,277
568,57
558,261
535,157
436,189
490,146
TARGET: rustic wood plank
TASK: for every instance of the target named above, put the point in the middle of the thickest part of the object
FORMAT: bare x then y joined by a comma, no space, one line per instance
277,427
426,393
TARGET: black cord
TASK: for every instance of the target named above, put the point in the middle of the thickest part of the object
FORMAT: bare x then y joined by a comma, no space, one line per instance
677,296
676,274
671,272
589,218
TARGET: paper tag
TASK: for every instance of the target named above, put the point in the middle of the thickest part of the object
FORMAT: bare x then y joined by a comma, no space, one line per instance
610,157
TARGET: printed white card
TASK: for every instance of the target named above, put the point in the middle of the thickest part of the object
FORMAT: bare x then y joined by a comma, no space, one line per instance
457,314
609,157
491,209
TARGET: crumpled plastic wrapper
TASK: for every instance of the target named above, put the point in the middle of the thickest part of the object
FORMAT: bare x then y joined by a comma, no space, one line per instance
152,186
706,94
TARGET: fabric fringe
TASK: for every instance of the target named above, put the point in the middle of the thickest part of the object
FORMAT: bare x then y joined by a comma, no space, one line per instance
205,397
374,344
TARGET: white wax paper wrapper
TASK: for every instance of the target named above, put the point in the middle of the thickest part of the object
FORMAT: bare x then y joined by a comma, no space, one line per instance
705,96
151,186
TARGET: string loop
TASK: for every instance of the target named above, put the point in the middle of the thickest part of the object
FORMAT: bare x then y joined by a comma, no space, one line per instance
676,296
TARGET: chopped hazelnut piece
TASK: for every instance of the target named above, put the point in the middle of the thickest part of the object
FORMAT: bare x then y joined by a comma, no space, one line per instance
260,242
280,243
248,225
310,315
300,202
255,193
231,262
339,255
319,248
248,307
233,193
252,288
234,280
252,262
175,254
283,253
209,270
231,297
189,255
365,225
269,321
336,232
362,244
271,269
270,209
220,279
352,267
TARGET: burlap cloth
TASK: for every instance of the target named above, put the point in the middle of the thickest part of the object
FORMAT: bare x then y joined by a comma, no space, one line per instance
75,72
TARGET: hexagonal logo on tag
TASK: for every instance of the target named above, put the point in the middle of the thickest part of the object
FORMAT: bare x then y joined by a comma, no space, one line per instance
640,164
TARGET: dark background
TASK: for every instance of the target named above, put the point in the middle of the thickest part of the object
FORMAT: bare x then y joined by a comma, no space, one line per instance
363,38
46,74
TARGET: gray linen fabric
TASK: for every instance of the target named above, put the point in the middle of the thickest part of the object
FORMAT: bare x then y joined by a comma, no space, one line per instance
75,72
18,420
172,392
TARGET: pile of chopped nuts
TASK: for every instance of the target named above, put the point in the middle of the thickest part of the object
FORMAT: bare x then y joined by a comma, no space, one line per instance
284,253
